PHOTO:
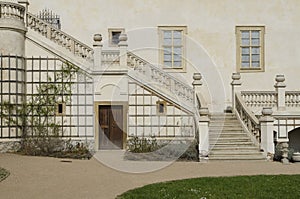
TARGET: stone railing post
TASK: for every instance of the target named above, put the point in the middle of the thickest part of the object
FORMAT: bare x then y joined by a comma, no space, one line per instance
280,90
267,136
203,134
235,84
285,152
25,3
123,45
197,87
97,51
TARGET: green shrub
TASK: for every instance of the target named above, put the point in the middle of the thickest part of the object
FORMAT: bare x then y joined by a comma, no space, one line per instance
3,174
141,148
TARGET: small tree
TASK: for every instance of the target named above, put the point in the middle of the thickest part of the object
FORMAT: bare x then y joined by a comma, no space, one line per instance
40,131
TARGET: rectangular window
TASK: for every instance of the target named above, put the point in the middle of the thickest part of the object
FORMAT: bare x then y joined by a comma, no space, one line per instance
114,34
161,107
61,108
172,45
250,48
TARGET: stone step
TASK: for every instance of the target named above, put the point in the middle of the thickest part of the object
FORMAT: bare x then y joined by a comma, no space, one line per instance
234,144
234,139
226,127
224,124
228,134
236,152
237,157
229,141
233,148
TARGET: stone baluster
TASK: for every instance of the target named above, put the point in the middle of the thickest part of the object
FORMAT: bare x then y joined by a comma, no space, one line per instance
267,136
97,51
203,134
235,84
123,50
280,90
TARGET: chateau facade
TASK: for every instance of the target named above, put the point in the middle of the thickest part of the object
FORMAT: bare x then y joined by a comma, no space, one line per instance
222,72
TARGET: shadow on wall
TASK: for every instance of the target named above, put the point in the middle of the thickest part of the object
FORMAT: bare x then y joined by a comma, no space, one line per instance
294,139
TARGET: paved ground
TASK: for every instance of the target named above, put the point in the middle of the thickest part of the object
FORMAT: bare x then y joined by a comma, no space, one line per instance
38,177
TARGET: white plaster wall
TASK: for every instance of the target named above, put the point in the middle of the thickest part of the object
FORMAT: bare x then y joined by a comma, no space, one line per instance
113,88
210,24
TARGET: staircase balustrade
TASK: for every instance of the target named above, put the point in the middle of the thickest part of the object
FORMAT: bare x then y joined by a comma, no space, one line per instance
61,38
292,98
249,120
259,98
110,57
156,75
11,11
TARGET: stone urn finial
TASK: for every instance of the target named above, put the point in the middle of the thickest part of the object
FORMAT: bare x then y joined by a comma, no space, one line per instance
236,76
267,111
280,78
97,37
123,37
280,81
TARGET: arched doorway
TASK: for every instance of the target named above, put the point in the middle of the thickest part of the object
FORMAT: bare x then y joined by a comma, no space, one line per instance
294,139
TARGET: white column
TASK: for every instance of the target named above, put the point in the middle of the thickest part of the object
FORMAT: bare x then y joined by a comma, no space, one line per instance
235,84
280,90
97,51
123,45
267,136
203,134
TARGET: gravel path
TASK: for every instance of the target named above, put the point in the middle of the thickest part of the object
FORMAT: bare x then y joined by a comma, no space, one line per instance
39,177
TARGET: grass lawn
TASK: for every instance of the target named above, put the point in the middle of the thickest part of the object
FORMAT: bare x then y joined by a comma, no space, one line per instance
3,174
280,186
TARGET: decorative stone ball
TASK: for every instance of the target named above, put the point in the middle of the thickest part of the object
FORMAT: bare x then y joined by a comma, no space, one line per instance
280,78
236,76
123,37
267,111
197,76
97,37
203,111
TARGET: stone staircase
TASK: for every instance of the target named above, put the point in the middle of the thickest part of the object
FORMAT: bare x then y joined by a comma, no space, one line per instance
228,141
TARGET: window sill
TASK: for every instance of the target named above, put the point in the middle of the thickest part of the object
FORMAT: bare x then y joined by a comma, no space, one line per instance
251,70
175,70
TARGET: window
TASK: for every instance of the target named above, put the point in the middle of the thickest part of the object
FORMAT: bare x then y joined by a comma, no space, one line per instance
60,108
114,35
250,48
172,44
161,107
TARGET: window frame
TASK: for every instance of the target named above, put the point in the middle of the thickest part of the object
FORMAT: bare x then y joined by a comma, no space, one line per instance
63,109
161,30
110,35
261,46
158,104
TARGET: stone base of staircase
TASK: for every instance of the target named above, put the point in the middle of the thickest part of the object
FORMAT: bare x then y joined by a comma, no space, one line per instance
229,141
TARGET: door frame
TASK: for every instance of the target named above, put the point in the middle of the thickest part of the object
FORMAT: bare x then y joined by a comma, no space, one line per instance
96,117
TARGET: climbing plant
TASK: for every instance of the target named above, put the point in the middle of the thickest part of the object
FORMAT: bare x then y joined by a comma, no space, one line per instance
36,116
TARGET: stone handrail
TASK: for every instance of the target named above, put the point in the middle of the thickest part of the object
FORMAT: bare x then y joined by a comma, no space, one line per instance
259,98
68,42
250,121
292,98
12,10
167,81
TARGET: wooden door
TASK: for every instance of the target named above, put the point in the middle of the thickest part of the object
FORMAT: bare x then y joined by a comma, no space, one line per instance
111,124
